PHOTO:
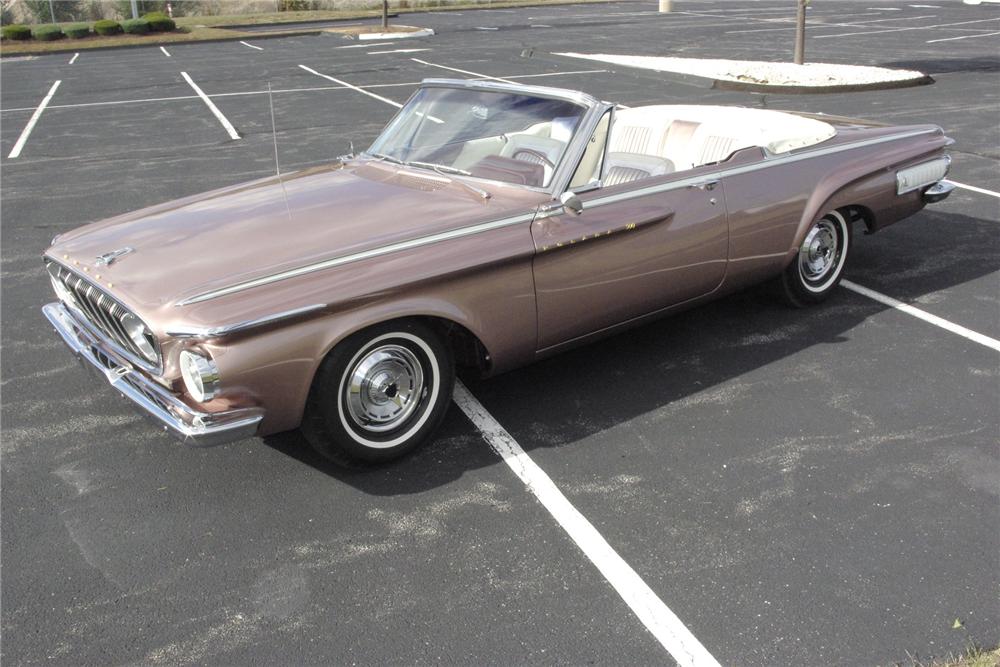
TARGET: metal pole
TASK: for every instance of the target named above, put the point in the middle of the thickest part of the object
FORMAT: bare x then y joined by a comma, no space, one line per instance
385,14
800,32
135,9
52,12
666,6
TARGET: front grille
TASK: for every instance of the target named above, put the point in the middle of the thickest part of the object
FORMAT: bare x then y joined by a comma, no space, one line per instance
102,311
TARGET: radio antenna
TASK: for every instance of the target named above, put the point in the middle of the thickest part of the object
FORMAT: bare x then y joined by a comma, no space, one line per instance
274,131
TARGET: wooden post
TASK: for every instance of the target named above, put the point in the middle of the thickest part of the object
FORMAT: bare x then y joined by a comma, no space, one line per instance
800,32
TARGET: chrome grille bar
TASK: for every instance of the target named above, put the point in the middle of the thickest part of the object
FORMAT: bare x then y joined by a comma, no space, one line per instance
103,312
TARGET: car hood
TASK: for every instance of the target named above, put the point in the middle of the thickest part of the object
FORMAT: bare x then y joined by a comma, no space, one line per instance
190,246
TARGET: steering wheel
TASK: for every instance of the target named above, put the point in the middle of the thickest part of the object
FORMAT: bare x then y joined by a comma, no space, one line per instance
541,156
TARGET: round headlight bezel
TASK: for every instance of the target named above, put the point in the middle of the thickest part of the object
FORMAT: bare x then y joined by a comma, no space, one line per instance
200,375
141,337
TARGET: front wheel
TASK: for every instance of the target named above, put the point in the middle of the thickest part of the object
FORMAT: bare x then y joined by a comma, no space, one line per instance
819,264
379,394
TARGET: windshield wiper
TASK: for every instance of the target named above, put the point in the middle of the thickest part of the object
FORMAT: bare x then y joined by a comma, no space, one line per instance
387,158
445,170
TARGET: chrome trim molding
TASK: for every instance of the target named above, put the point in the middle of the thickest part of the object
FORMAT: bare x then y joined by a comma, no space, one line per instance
358,256
226,329
165,409
921,175
573,96
767,163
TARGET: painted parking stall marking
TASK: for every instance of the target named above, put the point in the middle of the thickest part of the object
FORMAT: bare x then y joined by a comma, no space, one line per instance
973,188
165,52
233,134
259,48
26,132
73,59
974,336
353,87
461,71
668,629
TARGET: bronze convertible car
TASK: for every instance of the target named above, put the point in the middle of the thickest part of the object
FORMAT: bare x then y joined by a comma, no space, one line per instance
488,225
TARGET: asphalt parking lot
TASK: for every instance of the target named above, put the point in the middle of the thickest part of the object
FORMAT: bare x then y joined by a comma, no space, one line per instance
815,487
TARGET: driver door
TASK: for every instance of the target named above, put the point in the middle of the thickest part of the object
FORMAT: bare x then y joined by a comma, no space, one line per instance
634,249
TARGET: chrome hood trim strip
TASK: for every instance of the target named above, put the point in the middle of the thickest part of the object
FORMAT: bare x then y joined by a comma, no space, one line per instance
359,256
226,329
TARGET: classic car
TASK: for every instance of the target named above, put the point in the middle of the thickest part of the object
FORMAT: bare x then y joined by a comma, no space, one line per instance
489,225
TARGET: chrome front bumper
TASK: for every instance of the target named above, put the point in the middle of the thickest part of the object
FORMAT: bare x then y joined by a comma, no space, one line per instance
165,409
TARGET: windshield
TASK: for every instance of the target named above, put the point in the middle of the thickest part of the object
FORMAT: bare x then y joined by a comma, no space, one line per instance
487,134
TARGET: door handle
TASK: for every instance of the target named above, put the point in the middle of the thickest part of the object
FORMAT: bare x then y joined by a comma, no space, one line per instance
706,185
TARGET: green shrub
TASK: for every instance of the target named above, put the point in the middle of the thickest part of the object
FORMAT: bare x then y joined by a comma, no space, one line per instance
77,30
136,26
107,27
47,33
160,22
16,31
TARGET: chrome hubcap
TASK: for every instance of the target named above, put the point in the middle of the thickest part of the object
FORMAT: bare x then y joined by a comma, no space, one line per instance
384,388
818,254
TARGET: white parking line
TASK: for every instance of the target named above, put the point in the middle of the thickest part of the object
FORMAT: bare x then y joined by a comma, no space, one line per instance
352,87
951,39
165,52
73,59
482,28
364,46
922,27
461,71
251,46
375,53
309,89
672,634
21,140
973,188
923,315
233,134
814,26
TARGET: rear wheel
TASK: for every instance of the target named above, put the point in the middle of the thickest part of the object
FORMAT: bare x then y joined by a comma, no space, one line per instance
379,394
819,264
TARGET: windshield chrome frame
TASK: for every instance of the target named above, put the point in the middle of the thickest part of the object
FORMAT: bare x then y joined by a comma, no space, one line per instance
594,110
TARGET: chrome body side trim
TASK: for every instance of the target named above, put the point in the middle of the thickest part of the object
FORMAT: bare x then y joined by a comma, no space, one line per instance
693,181
226,329
359,256
165,409
767,163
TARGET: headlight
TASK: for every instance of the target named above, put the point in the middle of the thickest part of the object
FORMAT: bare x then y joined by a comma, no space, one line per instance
62,291
140,335
201,376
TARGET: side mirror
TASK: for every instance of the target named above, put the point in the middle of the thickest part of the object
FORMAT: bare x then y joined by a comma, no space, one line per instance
571,202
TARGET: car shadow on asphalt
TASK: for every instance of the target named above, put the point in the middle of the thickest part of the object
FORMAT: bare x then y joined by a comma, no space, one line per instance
571,396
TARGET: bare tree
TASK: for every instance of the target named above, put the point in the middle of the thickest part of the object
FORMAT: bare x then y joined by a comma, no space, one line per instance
800,32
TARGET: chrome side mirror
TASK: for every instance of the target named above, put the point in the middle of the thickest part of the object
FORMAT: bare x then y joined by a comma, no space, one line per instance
571,202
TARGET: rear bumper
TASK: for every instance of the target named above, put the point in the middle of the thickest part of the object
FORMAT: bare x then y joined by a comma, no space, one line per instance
938,192
158,404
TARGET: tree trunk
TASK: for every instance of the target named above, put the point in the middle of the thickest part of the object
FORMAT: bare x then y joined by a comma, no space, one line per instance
385,14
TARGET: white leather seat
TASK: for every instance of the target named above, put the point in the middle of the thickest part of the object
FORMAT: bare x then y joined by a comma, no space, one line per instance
527,147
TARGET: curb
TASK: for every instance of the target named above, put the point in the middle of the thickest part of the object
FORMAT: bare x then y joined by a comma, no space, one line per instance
422,32
740,86
725,84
